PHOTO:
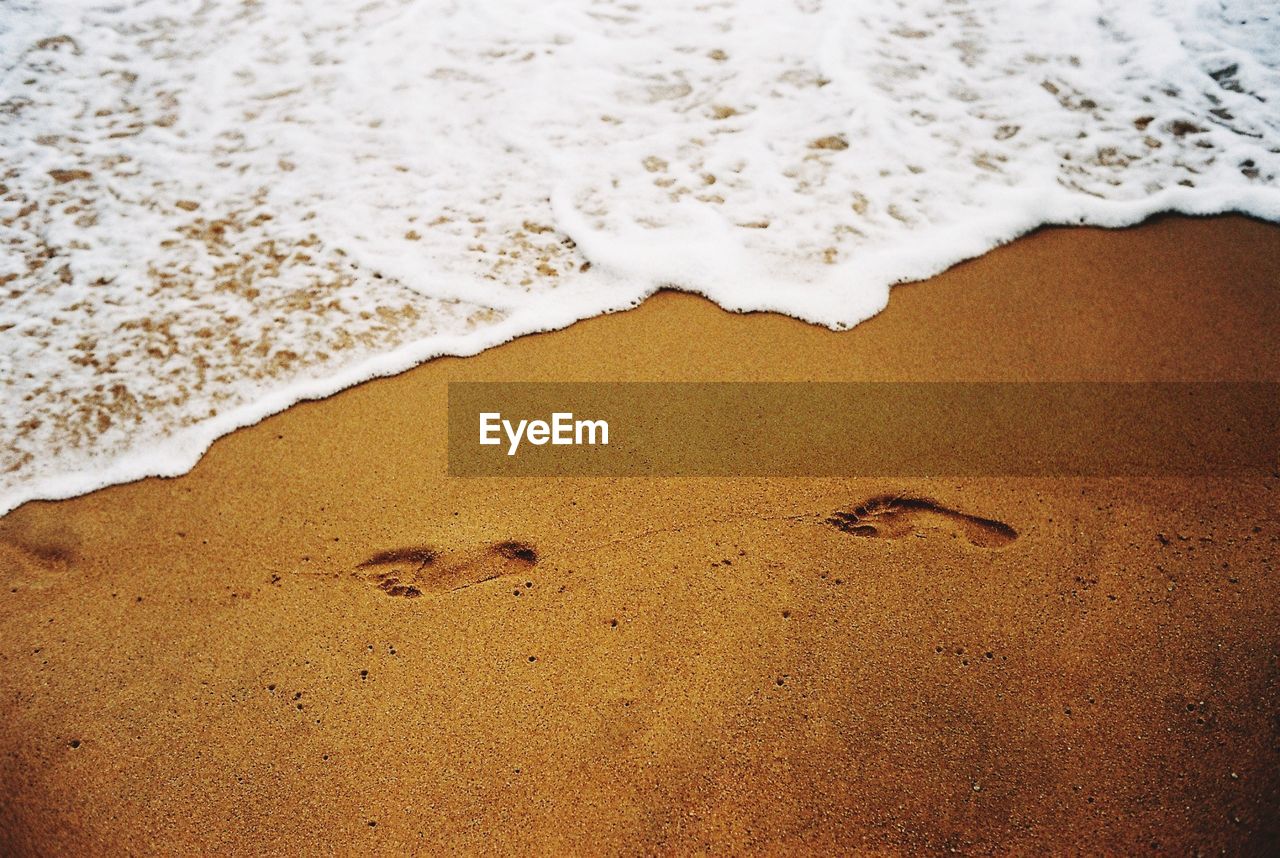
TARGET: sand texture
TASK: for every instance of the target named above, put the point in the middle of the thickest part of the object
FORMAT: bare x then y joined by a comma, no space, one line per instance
318,642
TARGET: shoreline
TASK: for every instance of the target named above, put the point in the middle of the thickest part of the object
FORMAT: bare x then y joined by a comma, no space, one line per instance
177,455
218,662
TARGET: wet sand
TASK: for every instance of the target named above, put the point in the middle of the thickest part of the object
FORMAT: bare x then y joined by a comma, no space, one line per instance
216,663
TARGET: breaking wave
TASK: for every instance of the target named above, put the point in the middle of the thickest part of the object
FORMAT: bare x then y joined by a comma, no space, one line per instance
211,210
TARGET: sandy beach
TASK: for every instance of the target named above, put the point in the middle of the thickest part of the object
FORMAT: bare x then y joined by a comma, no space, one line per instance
216,664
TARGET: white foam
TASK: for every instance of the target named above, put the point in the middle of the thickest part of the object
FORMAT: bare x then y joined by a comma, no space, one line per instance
214,209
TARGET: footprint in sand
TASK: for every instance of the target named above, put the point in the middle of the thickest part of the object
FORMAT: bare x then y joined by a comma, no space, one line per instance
417,570
896,517
32,567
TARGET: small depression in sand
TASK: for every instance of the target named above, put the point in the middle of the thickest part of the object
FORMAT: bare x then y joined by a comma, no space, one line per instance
900,516
413,571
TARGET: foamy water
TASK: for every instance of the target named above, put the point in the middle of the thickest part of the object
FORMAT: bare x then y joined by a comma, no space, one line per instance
211,210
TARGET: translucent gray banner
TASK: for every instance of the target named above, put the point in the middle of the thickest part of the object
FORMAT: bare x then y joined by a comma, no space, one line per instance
863,428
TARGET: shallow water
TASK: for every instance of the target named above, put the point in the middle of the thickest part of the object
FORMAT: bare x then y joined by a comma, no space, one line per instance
212,210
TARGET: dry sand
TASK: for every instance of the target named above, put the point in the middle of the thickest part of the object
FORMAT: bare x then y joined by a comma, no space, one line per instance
203,665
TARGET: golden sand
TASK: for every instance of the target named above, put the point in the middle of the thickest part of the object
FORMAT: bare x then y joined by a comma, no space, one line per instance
218,664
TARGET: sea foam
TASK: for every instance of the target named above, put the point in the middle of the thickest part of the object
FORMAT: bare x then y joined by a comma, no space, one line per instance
210,210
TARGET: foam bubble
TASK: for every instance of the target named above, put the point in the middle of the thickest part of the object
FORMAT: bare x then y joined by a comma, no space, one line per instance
212,210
